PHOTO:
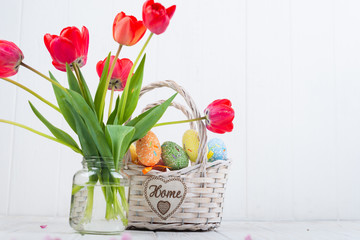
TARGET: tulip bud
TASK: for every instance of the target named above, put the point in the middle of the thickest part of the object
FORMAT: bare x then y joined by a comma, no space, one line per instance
219,116
127,30
10,58
156,17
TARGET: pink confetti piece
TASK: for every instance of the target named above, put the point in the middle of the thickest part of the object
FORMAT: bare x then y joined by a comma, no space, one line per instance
248,237
126,236
50,238
43,226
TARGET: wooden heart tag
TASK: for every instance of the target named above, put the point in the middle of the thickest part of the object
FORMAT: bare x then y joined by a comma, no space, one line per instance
164,196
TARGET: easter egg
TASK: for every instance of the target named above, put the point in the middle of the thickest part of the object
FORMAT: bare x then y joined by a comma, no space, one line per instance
134,157
148,149
191,144
216,150
174,156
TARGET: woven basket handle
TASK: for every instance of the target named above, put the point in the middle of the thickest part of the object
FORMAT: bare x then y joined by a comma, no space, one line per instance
202,154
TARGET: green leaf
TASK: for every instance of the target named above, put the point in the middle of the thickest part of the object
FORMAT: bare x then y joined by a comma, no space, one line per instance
99,101
61,96
132,91
87,144
90,119
119,138
111,119
73,83
58,133
87,97
144,122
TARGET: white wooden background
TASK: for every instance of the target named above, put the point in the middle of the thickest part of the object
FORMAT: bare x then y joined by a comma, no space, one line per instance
290,67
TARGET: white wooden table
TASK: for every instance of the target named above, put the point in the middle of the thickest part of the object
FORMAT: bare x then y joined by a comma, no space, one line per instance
28,228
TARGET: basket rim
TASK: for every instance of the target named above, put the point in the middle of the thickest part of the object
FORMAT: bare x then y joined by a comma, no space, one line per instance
131,167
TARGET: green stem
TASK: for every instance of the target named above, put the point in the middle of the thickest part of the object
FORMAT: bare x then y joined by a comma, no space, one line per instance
109,77
76,69
140,54
111,99
32,92
44,76
124,202
76,188
177,122
41,134
89,205
131,73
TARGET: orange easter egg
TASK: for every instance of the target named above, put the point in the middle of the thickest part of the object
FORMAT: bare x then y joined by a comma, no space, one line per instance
148,150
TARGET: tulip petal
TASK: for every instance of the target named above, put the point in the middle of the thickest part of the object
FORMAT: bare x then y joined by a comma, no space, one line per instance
117,69
62,51
59,66
74,35
117,19
124,33
214,129
85,41
170,11
147,3
220,102
126,65
47,40
221,114
100,67
7,72
226,126
140,30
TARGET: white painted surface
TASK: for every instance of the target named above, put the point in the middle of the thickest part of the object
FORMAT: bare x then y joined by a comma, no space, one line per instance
28,228
290,67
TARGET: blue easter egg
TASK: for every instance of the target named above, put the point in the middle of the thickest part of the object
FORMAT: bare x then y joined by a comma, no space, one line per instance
216,150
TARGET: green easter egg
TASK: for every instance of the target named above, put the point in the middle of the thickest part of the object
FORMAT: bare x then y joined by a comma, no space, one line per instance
191,144
174,156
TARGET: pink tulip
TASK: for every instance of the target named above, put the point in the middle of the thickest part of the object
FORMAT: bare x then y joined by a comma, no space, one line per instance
156,17
121,71
219,116
71,46
10,58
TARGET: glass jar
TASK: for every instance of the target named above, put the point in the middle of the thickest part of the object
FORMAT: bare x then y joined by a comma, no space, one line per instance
99,198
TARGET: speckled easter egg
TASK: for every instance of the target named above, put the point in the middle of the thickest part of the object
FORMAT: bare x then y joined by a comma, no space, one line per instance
134,157
191,144
148,149
174,156
216,150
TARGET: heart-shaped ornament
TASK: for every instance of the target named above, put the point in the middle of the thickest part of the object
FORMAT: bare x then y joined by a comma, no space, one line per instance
164,196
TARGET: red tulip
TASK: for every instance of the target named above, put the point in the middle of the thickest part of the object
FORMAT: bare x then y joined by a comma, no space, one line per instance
120,73
127,30
71,46
156,17
219,116
10,58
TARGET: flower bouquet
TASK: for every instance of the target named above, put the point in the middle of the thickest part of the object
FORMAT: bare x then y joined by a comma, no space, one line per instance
103,141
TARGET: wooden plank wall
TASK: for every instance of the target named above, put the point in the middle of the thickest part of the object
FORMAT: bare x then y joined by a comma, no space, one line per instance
290,67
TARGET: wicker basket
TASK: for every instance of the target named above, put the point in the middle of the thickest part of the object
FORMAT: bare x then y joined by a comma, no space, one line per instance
205,183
